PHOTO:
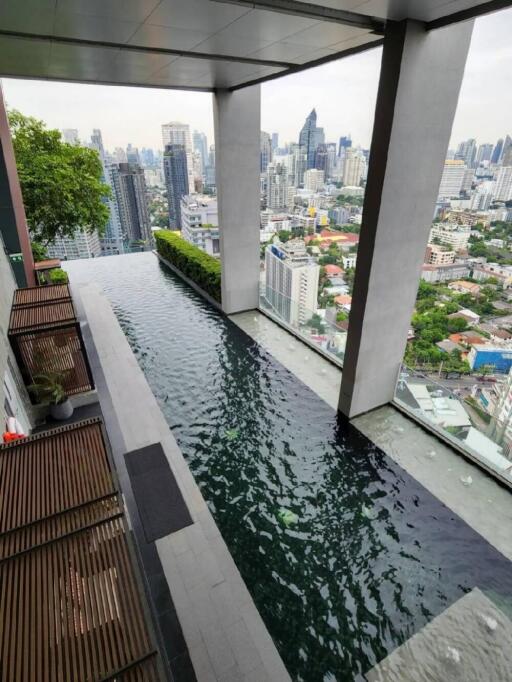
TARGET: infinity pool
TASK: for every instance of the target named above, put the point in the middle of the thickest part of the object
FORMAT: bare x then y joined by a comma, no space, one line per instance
345,555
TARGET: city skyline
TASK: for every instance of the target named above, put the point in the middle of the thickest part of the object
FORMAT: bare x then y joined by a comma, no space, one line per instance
284,107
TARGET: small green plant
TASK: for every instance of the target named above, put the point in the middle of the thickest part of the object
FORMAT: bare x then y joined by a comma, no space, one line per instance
49,388
58,276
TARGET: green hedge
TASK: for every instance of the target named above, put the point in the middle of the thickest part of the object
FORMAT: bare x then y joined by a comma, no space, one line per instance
200,267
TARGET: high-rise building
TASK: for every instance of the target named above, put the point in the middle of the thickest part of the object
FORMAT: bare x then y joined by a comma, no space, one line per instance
310,137
452,179
176,180
354,168
130,190
496,154
82,244
344,143
506,156
466,152
275,141
132,155
298,162
314,179
483,154
265,151
147,157
504,184
119,155
277,186
70,135
200,222
179,133
201,146
112,241
291,281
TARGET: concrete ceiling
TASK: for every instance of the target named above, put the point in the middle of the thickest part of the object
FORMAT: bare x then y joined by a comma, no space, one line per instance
197,44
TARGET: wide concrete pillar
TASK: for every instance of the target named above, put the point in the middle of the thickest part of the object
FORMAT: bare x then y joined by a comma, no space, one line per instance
421,75
237,173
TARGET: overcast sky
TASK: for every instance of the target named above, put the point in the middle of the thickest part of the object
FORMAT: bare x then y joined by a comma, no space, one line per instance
342,92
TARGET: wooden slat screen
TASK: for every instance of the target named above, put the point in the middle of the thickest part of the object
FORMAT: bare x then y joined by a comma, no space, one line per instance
70,609
37,295
45,335
41,315
55,350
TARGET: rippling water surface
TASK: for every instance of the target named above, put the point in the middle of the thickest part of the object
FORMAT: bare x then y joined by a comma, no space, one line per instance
366,558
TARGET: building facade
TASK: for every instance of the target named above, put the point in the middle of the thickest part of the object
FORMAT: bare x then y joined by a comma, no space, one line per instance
130,189
176,180
200,222
291,281
179,133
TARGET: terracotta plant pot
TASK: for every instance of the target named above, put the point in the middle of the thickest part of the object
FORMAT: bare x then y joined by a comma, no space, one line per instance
62,410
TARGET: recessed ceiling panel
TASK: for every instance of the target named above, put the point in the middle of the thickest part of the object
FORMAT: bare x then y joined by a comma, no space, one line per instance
150,35
123,10
93,27
197,15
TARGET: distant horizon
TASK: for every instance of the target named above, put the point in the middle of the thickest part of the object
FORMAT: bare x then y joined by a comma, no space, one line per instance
343,92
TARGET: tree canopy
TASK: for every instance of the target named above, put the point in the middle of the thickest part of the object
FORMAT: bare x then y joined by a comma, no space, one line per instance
61,183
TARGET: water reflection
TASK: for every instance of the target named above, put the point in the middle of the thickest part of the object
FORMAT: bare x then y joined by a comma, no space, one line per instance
345,555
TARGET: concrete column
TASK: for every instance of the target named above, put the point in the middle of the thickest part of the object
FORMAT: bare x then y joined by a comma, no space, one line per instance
237,172
421,75
13,223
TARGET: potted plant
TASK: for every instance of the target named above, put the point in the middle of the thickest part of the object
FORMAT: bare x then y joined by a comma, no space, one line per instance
49,387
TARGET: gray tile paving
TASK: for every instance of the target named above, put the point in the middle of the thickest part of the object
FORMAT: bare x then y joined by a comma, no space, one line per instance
207,589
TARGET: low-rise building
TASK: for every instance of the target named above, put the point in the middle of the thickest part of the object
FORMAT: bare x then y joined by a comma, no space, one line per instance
444,273
199,222
438,255
503,273
493,358
463,287
466,314
452,234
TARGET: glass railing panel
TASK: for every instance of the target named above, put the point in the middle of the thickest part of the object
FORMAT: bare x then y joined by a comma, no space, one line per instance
463,410
318,328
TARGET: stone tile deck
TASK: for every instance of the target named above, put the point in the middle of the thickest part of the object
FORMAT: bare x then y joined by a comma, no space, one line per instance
224,633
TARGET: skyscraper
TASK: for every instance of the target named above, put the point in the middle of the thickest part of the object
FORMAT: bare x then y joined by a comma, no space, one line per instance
179,133
310,137
506,156
70,135
298,164
176,180
132,154
112,241
354,167
275,141
277,186
201,146
496,155
466,152
130,190
344,143
484,153
265,151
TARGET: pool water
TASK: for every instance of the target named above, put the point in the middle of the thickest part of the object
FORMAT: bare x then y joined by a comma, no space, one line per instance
345,555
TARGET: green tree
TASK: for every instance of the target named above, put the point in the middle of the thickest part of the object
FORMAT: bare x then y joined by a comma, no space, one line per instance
61,183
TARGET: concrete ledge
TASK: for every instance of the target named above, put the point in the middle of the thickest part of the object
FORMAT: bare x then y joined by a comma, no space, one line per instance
224,633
